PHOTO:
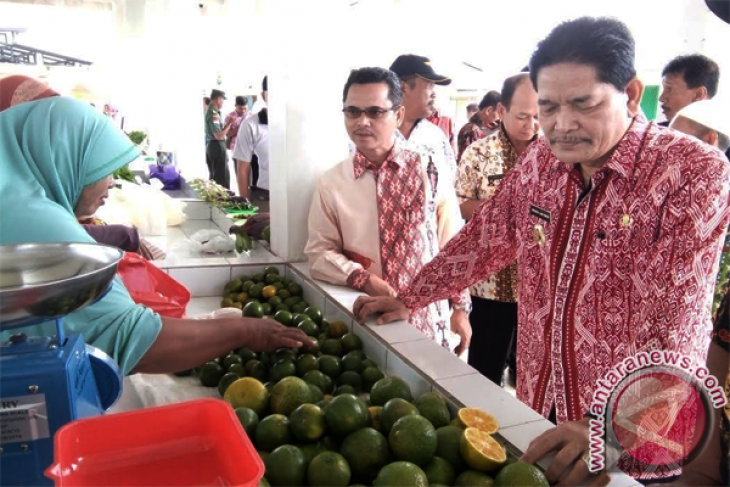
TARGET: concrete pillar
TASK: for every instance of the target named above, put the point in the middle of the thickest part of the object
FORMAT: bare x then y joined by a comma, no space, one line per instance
307,134
154,77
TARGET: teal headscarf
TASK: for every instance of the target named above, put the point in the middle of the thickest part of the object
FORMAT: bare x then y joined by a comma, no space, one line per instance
50,150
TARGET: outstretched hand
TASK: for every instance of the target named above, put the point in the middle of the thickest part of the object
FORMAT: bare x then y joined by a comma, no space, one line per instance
392,308
268,335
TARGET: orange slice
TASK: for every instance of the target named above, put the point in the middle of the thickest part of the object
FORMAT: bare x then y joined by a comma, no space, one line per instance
481,451
476,418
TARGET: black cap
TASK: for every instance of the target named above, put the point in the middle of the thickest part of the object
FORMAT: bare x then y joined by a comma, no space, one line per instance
721,8
420,66
217,93
241,101
265,84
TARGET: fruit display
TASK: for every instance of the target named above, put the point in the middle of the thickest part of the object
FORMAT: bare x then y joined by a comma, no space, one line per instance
327,415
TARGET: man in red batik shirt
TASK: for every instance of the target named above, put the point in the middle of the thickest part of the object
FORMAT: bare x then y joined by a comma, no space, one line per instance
616,225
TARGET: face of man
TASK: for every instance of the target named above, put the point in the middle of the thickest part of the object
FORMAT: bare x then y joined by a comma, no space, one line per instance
372,135
582,117
419,99
676,95
520,121
686,126
217,102
241,109
470,113
490,115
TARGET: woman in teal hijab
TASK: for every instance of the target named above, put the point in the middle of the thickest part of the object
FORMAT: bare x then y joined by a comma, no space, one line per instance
56,158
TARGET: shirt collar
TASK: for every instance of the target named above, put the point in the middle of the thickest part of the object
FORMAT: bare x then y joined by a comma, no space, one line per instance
505,140
394,161
476,120
624,157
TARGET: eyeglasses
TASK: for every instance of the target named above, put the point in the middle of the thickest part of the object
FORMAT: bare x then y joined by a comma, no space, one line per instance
373,113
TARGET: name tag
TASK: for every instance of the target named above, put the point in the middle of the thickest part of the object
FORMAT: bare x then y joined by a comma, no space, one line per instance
495,177
540,213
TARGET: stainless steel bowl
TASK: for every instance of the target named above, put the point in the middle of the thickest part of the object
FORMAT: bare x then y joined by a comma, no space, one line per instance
41,282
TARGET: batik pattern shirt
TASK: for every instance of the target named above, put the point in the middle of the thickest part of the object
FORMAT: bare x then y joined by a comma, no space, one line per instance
471,132
388,222
624,265
483,166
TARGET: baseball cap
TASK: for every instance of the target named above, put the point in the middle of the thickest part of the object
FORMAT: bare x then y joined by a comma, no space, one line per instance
420,66
217,93
708,113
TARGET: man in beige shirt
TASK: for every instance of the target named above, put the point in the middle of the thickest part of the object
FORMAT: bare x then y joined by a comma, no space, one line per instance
383,213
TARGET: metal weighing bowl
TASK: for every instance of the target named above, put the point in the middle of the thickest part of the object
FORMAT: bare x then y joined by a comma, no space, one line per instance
45,281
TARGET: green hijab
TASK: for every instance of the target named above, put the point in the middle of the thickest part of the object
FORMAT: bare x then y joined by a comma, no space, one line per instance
50,150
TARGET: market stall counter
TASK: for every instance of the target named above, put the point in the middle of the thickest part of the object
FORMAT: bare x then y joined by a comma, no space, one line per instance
398,350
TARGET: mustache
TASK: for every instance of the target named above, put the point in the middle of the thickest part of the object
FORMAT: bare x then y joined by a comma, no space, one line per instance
569,139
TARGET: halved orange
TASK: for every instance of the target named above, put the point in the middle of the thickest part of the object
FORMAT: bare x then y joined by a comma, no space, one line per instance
476,418
481,451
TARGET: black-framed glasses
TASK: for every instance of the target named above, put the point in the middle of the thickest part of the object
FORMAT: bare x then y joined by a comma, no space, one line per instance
373,113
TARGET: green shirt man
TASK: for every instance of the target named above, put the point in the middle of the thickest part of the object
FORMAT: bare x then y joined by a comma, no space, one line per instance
215,140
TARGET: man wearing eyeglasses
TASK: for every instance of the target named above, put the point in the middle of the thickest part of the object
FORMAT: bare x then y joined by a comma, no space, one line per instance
380,215
418,80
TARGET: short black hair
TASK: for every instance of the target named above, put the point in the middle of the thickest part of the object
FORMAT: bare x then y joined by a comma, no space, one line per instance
601,42
206,100
408,79
697,70
364,76
241,101
472,107
510,86
265,84
491,99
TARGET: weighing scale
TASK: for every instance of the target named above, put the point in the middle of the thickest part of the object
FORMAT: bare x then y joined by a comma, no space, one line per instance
48,381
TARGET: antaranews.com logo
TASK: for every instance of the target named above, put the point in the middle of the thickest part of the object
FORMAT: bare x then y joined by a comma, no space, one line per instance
655,406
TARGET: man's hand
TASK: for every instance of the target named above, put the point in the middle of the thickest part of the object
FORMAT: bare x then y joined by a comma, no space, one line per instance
378,287
571,441
268,335
392,309
461,326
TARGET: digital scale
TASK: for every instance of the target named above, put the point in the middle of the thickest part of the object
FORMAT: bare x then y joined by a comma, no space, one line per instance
48,381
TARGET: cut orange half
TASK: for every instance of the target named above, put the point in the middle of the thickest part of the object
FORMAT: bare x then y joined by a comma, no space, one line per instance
476,418
481,451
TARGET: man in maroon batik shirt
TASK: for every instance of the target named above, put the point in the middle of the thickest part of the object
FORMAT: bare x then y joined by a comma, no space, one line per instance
616,225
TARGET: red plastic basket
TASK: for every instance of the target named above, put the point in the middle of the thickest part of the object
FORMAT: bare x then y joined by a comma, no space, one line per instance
195,443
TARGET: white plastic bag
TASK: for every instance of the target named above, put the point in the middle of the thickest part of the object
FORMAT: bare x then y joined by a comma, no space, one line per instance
143,206
211,242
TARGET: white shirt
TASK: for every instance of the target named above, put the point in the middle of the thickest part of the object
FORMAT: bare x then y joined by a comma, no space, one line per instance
430,142
253,138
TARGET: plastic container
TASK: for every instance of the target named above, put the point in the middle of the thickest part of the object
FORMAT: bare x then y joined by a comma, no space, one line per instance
195,443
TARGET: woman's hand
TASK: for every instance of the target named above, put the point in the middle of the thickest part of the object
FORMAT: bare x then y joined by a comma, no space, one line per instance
185,344
268,335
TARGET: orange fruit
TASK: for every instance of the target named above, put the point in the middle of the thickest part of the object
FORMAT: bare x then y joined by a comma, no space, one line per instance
482,452
268,292
476,418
